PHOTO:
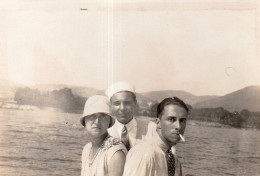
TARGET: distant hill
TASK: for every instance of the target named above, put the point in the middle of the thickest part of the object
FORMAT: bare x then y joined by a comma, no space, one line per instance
246,98
7,89
185,96
77,90
160,95
144,101
86,92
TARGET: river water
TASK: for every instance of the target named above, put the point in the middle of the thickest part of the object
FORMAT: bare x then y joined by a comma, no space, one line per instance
44,143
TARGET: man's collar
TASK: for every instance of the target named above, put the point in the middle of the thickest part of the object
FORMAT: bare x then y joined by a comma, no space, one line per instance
161,142
128,125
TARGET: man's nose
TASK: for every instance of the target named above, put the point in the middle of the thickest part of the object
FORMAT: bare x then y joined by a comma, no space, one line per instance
177,125
122,106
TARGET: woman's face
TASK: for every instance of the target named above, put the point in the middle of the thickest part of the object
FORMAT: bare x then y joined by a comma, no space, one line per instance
97,124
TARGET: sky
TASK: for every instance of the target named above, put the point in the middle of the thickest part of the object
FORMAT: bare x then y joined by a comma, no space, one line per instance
202,47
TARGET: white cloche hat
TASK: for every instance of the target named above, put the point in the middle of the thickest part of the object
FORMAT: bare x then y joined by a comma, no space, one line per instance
97,104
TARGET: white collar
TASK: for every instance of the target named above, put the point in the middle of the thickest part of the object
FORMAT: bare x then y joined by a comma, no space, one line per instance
128,125
162,144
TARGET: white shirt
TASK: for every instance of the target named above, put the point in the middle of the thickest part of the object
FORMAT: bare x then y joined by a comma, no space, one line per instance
149,159
120,126
138,129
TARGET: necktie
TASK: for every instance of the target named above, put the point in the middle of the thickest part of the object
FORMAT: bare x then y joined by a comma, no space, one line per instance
125,138
170,162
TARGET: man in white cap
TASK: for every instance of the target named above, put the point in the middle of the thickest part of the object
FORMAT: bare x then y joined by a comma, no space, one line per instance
127,128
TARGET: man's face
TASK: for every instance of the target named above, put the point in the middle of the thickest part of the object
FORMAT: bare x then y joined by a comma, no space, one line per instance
172,123
123,105
97,124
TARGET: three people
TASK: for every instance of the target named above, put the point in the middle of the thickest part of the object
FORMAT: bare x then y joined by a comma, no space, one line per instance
150,143
103,155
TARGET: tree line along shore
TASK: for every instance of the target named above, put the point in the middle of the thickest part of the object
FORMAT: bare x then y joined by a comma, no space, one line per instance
65,101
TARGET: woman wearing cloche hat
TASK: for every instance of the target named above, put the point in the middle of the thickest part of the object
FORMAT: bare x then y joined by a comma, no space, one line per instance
103,155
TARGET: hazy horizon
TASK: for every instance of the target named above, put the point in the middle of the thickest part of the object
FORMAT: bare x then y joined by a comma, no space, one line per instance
201,47
85,86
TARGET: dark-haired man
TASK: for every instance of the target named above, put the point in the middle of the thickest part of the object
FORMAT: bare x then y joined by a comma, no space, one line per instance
127,128
154,157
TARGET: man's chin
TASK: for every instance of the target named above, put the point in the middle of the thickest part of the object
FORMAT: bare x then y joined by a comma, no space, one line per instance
124,120
174,141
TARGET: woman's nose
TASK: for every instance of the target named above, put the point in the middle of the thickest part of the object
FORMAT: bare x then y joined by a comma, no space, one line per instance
97,120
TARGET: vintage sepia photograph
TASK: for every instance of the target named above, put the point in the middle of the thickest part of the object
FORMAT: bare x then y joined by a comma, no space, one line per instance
129,88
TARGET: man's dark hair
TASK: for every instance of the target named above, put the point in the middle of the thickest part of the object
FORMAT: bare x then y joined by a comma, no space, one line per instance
170,101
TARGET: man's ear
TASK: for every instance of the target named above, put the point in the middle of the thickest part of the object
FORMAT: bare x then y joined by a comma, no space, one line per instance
158,123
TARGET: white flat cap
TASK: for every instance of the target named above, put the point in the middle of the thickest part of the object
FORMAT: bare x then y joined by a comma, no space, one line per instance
96,104
119,87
